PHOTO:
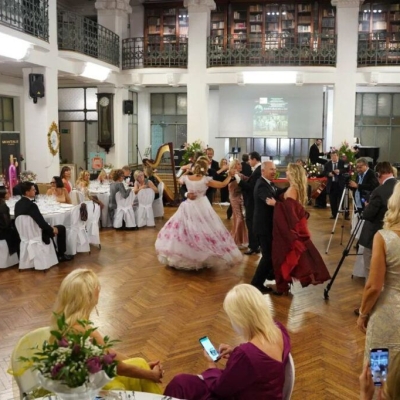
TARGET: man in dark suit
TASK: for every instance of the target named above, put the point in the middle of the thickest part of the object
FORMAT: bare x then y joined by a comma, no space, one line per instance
248,197
246,169
263,224
315,153
366,183
17,189
26,206
213,167
128,175
334,170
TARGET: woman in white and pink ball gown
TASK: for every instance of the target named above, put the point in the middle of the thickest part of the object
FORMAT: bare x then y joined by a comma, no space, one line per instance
195,237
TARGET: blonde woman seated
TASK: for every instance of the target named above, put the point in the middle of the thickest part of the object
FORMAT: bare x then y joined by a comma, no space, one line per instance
255,369
82,184
117,186
143,183
76,299
58,191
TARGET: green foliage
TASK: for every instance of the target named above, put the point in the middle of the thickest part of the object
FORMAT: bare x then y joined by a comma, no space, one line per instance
192,151
346,153
73,356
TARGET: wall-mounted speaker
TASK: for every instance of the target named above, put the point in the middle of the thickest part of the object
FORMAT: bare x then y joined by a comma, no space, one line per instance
36,86
128,107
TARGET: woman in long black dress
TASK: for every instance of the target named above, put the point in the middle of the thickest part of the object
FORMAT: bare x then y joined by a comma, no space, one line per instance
7,228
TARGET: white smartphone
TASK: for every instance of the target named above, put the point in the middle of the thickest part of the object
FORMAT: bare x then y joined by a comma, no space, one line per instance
379,362
209,348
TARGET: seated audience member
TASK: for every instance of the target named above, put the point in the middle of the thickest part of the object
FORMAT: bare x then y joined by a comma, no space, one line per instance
390,389
65,175
149,174
83,183
128,175
117,186
102,176
59,191
7,227
255,369
143,183
77,297
24,178
25,206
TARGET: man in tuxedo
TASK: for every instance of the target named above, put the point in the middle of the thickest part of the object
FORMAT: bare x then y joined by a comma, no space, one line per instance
315,153
26,206
334,170
128,175
263,224
213,167
246,169
366,183
248,197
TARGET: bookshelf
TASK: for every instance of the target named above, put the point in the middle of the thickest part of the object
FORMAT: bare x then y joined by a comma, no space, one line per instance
219,26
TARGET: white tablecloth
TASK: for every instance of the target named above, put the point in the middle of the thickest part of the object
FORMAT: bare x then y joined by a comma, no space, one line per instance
104,197
123,395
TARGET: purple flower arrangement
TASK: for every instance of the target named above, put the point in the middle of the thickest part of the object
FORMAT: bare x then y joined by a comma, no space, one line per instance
72,357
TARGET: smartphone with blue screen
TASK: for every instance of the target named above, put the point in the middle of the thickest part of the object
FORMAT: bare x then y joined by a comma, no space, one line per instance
209,348
379,363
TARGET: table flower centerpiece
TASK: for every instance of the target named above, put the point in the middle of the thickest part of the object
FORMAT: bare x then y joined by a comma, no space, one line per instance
28,176
74,365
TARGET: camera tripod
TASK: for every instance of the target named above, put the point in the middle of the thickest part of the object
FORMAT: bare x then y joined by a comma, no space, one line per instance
346,252
344,208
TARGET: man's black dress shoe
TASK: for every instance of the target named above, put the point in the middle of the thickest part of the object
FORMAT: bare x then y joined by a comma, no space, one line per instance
250,252
65,257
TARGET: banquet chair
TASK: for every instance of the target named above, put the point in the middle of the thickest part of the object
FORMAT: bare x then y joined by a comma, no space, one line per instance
289,379
5,259
34,253
26,379
158,206
144,212
92,223
124,211
77,236
77,197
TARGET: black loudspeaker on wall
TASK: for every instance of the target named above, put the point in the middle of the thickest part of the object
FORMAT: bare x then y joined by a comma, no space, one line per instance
36,86
128,107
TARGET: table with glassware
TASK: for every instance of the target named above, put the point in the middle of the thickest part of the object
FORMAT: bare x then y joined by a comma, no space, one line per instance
102,191
119,395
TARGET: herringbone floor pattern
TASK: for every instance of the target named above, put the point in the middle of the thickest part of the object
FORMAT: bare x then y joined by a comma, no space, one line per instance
159,313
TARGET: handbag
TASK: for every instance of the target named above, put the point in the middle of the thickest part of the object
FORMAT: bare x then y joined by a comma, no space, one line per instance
83,212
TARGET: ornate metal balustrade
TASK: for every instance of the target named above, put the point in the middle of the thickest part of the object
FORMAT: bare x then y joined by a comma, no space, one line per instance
378,49
272,50
28,16
80,34
155,52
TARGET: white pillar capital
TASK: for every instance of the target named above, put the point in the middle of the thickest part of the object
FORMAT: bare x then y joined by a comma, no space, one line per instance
201,5
118,5
347,3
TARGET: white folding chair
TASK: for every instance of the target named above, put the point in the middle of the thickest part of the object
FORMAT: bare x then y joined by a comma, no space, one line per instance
77,237
289,379
124,211
92,223
34,253
77,197
5,259
158,206
26,378
144,212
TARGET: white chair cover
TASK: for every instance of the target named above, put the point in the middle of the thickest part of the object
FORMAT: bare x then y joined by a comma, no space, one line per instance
33,252
144,212
77,237
124,211
92,224
158,206
5,259
289,379
77,197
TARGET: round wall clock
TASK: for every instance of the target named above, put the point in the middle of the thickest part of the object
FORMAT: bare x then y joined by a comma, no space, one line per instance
53,139
104,101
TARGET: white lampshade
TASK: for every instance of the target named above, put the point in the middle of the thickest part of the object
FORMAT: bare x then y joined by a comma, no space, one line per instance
94,71
13,47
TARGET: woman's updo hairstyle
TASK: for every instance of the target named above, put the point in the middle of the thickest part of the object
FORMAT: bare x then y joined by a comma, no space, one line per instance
117,174
201,167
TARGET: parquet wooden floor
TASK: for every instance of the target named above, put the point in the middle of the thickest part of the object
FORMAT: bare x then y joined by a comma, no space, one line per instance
159,313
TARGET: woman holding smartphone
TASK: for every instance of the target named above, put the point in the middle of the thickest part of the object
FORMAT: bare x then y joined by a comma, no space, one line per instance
255,369
379,316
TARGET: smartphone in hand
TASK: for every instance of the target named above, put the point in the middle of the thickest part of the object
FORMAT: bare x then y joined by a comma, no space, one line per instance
209,348
379,362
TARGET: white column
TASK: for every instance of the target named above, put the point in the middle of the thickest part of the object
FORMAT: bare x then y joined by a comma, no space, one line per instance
346,66
144,122
197,88
121,126
37,120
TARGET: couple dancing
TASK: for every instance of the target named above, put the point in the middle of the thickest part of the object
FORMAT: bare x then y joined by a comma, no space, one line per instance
280,223
195,237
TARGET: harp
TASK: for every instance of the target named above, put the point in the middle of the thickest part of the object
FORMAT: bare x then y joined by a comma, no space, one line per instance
165,165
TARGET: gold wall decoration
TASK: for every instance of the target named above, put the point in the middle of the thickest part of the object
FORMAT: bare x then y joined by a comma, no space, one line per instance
53,139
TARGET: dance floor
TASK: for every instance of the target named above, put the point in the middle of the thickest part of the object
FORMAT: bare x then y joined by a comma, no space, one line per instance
160,313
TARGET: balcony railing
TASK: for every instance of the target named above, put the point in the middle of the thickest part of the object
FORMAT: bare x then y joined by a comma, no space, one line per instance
272,50
157,52
377,49
80,34
28,16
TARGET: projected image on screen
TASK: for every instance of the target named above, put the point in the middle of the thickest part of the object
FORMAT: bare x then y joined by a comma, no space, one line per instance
270,117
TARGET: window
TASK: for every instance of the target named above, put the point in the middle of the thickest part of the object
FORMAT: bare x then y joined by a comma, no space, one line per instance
6,114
